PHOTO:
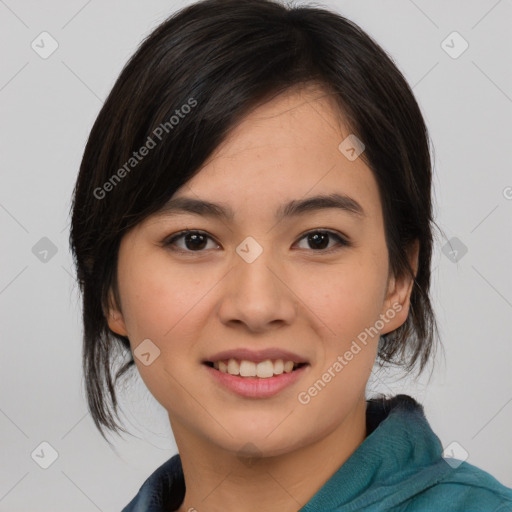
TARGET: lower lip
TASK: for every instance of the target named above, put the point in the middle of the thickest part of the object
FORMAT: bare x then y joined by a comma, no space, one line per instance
254,387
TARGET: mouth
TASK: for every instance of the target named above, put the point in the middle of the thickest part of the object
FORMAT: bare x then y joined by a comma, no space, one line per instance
255,379
245,368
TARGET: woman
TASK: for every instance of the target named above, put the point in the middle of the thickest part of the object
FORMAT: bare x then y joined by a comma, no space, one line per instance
252,226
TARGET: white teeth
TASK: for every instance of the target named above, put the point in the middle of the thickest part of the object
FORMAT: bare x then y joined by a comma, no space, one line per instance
233,367
263,370
278,367
247,369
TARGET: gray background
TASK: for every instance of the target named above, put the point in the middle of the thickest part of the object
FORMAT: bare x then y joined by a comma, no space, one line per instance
47,109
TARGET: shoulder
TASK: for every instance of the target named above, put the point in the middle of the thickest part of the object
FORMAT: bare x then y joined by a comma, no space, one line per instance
423,479
464,488
163,490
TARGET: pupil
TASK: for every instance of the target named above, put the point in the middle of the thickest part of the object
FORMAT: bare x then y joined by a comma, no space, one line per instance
195,238
316,237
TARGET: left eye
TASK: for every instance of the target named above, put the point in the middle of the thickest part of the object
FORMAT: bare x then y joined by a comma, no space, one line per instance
197,241
319,239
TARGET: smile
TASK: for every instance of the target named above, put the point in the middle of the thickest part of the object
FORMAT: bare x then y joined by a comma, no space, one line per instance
263,370
242,377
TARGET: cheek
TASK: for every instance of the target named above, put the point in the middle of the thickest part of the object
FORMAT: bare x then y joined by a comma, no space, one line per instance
349,309
157,298
348,298
167,307
163,308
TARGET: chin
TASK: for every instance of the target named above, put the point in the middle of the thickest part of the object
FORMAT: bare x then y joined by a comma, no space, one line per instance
253,449
261,439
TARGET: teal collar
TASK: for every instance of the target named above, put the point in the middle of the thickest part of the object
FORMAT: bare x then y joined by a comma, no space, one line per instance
399,458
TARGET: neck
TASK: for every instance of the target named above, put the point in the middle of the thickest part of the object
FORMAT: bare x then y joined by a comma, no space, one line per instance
217,480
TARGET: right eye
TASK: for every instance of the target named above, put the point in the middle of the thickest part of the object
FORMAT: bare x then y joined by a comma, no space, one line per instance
192,241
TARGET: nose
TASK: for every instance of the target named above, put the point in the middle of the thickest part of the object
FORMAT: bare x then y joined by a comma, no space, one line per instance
258,295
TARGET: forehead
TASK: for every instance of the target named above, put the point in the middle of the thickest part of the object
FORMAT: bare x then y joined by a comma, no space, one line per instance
286,149
301,114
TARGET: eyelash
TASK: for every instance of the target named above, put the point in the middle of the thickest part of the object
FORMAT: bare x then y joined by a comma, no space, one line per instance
342,242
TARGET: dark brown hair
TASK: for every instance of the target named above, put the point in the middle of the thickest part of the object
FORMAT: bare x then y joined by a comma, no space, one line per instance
191,81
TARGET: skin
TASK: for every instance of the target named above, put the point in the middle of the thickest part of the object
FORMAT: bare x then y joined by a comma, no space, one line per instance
293,296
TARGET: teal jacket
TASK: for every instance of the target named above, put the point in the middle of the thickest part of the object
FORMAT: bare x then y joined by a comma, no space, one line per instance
399,467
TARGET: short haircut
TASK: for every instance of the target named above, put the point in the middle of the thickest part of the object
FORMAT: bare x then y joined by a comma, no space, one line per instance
194,78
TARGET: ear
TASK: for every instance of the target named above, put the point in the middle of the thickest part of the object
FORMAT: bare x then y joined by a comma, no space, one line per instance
399,293
115,317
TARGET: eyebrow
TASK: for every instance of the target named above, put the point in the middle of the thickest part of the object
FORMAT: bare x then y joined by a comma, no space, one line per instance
291,209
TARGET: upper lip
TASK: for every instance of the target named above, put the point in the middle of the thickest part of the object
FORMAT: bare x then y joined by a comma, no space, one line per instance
256,355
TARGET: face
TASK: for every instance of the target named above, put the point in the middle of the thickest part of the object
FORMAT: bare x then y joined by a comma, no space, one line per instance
309,285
